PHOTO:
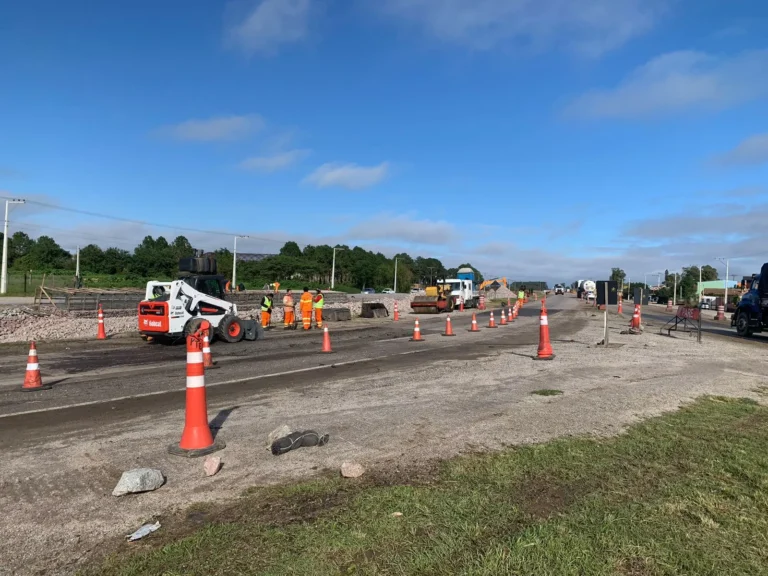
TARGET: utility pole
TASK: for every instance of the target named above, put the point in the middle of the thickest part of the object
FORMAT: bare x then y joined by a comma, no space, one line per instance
4,272
725,282
234,264
333,266
77,268
674,292
395,287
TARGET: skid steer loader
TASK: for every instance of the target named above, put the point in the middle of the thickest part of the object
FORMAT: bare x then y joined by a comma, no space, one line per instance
175,309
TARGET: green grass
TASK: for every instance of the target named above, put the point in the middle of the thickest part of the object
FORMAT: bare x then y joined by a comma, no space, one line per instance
686,493
547,392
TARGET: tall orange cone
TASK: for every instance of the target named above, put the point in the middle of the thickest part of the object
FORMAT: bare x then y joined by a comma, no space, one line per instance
491,321
196,439
32,379
448,327
396,315
510,316
207,357
545,348
509,302
620,310
461,304
326,341
102,335
635,322
515,311
503,318
474,327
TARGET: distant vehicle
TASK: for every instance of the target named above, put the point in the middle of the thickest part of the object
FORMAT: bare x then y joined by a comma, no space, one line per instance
388,291
415,291
559,289
704,305
368,291
751,313
589,295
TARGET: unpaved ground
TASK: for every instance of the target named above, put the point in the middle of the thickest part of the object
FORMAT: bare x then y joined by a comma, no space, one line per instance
56,494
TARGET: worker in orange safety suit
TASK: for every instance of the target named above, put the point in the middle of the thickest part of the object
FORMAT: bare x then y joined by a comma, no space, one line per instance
305,304
289,314
317,303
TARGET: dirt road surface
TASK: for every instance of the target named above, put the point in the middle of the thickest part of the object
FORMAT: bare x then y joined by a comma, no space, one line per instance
384,401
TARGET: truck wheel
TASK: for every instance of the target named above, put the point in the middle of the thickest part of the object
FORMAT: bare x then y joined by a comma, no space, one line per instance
742,325
192,326
230,329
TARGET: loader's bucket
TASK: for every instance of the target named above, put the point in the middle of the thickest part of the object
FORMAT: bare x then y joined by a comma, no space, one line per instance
374,310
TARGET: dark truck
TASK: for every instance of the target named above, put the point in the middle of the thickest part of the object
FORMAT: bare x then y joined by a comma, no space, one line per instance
751,313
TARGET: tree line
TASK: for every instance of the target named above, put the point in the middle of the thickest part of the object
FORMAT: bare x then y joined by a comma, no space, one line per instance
686,282
157,258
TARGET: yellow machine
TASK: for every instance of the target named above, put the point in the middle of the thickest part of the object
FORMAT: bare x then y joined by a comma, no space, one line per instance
435,300
502,281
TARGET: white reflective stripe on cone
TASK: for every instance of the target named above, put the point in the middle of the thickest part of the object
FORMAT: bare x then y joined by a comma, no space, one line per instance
195,381
206,350
33,352
544,321
194,357
33,366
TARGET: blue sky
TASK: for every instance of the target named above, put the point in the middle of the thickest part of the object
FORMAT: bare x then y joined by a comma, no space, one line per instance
545,138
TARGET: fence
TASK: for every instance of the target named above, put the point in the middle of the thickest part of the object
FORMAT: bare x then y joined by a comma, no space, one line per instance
25,284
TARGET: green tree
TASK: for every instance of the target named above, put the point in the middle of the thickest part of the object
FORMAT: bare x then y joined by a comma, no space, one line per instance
290,249
618,275
45,255
92,259
708,273
19,244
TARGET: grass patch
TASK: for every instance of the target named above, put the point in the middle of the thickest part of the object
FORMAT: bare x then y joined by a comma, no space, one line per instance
686,493
547,392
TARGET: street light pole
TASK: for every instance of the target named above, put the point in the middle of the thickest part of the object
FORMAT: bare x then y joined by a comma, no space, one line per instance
725,282
395,287
234,264
674,293
4,279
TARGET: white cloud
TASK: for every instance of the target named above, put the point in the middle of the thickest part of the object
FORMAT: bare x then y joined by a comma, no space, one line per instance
588,26
270,24
350,176
274,162
214,129
752,151
679,81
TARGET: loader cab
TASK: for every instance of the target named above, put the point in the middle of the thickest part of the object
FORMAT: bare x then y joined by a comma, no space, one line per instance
211,285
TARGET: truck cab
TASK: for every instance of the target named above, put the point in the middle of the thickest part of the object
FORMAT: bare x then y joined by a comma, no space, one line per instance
751,313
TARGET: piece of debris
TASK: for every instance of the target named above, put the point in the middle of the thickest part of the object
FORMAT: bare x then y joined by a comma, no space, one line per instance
297,440
139,480
396,514
145,530
212,465
276,434
352,470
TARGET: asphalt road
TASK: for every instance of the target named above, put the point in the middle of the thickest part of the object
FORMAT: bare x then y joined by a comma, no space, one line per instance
118,380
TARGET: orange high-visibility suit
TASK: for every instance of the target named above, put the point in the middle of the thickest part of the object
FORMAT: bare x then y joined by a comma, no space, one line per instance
288,310
305,304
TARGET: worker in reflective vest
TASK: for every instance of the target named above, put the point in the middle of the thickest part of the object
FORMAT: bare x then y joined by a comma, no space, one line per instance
317,304
305,305
520,297
289,316
266,310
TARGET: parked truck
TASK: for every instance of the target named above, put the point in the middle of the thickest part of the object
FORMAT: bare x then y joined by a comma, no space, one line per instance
751,313
448,294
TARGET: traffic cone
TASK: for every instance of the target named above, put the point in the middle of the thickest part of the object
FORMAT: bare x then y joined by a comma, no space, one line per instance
207,358
32,379
461,305
474,327
510,316
417,333
491,321
509,302
515,311
448,327
635,322
545,348
503,318
102,335
620,310
196,439
396,315
326,341
669,305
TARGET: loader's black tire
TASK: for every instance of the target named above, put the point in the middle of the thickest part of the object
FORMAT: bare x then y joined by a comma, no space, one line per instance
192,326
230,329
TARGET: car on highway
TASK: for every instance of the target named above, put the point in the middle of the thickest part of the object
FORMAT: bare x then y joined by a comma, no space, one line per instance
388,291
559,289
368,291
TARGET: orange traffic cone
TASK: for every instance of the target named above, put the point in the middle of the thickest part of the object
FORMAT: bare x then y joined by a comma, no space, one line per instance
326,341
396,315
474,327
32,379
620,310
417,333
509,302
491,321
196,439
448,327
510,316
635,322
102,335
503,318
207,358
545,348
461,305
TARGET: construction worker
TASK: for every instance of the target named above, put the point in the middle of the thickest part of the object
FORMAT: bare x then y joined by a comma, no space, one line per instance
520,297
289,314
305,304
228,286
317,305
266,310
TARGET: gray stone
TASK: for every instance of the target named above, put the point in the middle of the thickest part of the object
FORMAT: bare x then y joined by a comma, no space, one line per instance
212,465
352,470
139,480
277,433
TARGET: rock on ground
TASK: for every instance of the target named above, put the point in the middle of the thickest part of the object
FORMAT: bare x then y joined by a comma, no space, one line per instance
139,480
352,470
212,465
